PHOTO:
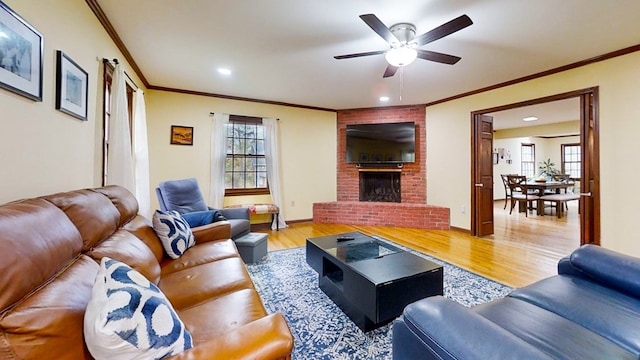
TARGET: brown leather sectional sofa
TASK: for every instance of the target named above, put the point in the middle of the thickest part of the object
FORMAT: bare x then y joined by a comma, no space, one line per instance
50,249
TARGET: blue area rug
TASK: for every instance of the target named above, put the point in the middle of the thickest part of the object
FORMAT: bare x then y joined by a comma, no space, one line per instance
320,329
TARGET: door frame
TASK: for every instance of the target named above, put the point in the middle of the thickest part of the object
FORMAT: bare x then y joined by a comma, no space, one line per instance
589,230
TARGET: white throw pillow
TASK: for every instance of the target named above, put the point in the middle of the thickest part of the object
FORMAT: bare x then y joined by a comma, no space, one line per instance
174,232
128,317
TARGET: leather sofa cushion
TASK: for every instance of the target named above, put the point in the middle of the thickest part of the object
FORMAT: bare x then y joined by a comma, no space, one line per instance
48,324
204,282
218,316
127,248
201,254
92,213
559,294
143,230
36,241
549,332
431,329
123,200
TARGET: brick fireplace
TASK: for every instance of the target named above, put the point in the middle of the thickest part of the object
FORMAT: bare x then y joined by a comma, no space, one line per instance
411,210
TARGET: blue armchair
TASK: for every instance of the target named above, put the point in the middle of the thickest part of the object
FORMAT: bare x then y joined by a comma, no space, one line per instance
184,196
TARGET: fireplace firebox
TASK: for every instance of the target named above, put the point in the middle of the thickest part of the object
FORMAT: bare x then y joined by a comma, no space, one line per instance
380,186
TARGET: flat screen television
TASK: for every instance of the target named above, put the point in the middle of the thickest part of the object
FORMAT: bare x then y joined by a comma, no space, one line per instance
385,143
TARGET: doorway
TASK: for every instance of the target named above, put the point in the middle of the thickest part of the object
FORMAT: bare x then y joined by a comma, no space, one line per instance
482,221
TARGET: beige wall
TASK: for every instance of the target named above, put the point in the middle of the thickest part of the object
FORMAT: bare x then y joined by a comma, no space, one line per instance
307,147
449,127
43,150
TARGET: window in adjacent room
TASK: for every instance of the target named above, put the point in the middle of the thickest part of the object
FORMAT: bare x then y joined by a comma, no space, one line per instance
571,160
528,160
246,165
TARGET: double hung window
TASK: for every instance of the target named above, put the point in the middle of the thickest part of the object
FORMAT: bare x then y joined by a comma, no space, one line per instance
246,165
528,160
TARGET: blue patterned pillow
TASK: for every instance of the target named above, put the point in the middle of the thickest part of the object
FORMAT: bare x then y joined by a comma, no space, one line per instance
129,317
174,232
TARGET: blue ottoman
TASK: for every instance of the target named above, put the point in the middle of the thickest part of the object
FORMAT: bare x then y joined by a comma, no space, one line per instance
252,247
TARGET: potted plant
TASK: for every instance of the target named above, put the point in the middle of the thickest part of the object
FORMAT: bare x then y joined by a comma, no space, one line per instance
547,168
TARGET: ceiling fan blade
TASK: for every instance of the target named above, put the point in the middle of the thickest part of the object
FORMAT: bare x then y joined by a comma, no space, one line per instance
390,71
349,56
443,30
438,57
380,28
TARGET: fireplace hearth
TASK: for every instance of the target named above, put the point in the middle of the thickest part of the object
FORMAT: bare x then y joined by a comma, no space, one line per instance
380,186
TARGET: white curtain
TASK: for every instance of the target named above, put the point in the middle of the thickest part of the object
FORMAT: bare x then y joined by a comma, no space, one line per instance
120,162
218,158
141,155
272,156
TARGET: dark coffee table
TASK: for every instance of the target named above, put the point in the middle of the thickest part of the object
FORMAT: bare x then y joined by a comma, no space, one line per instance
369,279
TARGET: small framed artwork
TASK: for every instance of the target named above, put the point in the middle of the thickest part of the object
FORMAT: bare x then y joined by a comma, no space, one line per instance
376,157
495,158
181,135
364,156
21,56
71,87
390,157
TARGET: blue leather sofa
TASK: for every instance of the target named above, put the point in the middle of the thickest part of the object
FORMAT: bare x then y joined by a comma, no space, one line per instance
590,310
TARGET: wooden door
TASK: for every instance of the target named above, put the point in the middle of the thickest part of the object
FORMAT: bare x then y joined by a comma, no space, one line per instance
482,190
589,179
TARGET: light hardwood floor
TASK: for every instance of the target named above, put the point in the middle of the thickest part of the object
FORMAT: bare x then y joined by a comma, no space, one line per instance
522,250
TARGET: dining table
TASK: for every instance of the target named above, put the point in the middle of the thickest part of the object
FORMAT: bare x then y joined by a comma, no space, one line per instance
542,187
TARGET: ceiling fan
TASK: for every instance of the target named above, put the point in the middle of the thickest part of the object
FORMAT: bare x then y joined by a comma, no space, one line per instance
403,42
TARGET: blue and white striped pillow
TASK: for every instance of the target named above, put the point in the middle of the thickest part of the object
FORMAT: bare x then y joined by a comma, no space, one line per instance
174,232
128,317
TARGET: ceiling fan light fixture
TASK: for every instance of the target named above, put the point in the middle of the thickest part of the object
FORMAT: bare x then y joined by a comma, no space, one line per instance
401,56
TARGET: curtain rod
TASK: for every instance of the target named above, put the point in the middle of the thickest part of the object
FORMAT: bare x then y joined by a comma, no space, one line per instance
212,113
115,61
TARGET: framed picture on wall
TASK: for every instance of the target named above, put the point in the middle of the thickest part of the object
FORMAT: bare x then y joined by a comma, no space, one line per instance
181,135
71,87
21,56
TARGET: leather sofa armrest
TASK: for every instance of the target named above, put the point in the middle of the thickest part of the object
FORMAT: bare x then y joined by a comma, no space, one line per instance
438,328
219,230
235,213
265,338
610,268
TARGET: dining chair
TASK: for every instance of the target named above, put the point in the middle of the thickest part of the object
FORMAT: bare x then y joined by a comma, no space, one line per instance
507,189
520,194
560,200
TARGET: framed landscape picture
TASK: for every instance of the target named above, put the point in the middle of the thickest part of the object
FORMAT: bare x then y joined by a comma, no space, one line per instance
21,56
71,87
181,135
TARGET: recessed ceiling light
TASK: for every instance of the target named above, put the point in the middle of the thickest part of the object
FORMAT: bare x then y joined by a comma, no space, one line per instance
530,118
224,71
384,98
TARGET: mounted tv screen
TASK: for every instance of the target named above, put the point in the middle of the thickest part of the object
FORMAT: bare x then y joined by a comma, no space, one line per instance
381,143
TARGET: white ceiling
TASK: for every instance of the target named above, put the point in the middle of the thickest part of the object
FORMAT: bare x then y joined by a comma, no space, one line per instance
282,50
547,113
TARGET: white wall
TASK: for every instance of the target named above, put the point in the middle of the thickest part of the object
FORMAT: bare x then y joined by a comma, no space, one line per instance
449,127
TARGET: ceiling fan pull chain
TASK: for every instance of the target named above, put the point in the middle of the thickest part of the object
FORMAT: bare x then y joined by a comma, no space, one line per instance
401,82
